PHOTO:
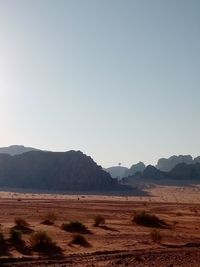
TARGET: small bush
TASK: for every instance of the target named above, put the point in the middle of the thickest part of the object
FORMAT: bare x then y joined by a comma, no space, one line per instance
40,240
80,240
50,218
75,227
156,235
3,246
149,220
99,220
43,243
47,222
15,235
21,223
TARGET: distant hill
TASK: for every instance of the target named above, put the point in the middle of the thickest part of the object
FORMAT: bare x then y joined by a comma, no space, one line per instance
139,167
163,164
181,174
185,172
168,164
120,171
117,171
16,149
150,175
196,160
57,171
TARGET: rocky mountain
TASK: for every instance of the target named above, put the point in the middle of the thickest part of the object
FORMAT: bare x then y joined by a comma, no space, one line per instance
168,164
197,159
163,164
150,175
181,174
185,172
139,167
56,171
15,149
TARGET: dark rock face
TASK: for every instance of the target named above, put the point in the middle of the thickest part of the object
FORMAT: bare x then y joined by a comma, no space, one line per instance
189,172
152,172
181,174
168,164
197,159
70,170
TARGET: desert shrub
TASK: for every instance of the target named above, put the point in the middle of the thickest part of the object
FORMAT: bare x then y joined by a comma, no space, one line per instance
149,220
3,246
50,218
2,239
41,240
15,235
156,235
43,243
75,227
21,223
80,240
47,222
99,220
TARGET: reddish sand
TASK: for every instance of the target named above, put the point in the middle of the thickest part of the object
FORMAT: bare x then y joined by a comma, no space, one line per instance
120,242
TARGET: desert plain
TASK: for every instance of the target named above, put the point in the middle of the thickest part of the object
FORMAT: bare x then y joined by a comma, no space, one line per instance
119,241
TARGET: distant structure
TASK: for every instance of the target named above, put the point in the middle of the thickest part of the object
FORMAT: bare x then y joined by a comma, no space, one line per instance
119,164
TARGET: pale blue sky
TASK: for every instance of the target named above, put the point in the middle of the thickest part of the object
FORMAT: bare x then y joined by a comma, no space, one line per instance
117,79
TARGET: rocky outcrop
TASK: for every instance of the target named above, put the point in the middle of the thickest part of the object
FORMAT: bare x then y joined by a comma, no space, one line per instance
181,174
168,164
63,171
139,167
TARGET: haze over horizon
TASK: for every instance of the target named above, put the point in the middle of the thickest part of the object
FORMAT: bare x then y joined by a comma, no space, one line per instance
118,80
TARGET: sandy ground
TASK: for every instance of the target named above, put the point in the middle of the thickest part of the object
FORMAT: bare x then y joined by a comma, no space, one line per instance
119,242
156,194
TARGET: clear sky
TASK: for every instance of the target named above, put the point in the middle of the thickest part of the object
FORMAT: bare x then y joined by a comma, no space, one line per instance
117,79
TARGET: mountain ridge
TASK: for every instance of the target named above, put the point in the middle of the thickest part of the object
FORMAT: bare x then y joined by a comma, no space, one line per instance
16,149
181,174
57,171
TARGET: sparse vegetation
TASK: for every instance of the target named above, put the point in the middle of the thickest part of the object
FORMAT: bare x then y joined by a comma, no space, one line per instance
40,239
156,235
80,240
50,218
15,235
149,220
3,246
42,242
75,227
21,223
99,220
